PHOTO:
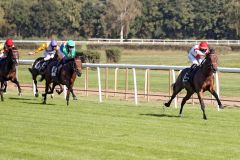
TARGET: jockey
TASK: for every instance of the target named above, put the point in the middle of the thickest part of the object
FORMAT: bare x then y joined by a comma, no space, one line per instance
49,53
67,52
1,49
196,55
4,49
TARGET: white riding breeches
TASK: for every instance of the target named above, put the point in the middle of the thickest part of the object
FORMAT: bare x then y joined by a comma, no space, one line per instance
49,56
194,60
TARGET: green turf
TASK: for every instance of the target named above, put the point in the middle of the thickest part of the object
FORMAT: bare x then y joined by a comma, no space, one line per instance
113,130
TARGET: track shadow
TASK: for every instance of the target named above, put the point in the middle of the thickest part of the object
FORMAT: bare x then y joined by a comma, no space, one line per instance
159,115
48,104
19,98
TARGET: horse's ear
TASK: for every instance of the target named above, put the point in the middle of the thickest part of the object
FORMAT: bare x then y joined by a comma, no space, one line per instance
211,51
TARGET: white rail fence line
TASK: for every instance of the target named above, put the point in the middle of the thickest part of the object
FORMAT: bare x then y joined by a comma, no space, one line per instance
172,70
140,41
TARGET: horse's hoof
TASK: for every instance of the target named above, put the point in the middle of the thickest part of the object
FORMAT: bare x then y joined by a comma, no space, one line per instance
180,115
44,102
52,95
20,94
221,106
36,95
166,104
75,98
67,103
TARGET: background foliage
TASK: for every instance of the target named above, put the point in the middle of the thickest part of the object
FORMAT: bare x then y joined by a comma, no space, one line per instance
82,19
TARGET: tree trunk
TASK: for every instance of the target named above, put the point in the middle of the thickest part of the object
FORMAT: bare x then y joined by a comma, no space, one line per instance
121,33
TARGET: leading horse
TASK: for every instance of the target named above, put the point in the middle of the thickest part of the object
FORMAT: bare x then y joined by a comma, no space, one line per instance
67,75
36,71
201,81
8,70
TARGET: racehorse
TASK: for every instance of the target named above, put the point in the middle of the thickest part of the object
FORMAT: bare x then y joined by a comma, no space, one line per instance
67,75
201,81
8,70
36,71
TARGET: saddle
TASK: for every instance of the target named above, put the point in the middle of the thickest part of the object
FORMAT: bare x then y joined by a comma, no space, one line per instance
189,75
56,70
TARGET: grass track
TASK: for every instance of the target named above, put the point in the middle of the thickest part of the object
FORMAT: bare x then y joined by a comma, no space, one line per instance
113,130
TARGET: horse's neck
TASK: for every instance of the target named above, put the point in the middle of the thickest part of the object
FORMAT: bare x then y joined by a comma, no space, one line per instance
206,71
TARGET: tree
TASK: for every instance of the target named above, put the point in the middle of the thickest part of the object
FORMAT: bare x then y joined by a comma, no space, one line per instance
119,15
18,14
233,15
91,25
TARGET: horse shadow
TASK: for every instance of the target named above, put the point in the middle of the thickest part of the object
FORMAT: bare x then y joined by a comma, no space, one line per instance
160,115
28,101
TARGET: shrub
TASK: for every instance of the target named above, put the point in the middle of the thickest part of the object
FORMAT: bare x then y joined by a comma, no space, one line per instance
113,55
89,56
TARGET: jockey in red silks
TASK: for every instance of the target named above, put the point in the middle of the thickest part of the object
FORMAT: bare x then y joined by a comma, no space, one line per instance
8,45
196,55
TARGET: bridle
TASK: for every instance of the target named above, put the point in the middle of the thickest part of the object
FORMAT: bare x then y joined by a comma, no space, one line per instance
75,68
210,65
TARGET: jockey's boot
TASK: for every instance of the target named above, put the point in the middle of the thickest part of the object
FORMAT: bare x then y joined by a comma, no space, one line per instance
187,74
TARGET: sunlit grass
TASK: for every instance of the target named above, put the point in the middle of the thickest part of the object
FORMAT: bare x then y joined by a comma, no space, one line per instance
114,130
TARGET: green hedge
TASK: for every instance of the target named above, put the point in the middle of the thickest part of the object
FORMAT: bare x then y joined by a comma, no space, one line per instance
113,55
90,56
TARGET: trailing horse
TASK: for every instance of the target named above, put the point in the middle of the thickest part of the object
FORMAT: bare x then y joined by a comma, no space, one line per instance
67,75
8,70
35,71
201,81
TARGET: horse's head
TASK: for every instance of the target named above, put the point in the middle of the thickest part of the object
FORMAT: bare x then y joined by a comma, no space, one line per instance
78,66
13,55
212,60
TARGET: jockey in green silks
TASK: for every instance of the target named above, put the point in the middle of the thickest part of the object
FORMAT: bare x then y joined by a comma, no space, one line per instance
68,50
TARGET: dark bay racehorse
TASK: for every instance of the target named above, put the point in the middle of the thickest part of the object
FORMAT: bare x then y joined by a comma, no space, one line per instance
202,80
67,76
35,71
8,70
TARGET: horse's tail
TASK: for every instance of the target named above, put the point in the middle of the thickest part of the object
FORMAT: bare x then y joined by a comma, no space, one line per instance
30,70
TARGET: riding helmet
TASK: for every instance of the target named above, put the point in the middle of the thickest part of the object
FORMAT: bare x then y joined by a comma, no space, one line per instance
71,43
9,42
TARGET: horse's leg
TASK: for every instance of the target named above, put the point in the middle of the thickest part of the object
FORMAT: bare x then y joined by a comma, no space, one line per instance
61,89
184,100
213,92
176,90
52,88
46,92
202,104
35,83
68,93
1,94
19,88
74,96
5,86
